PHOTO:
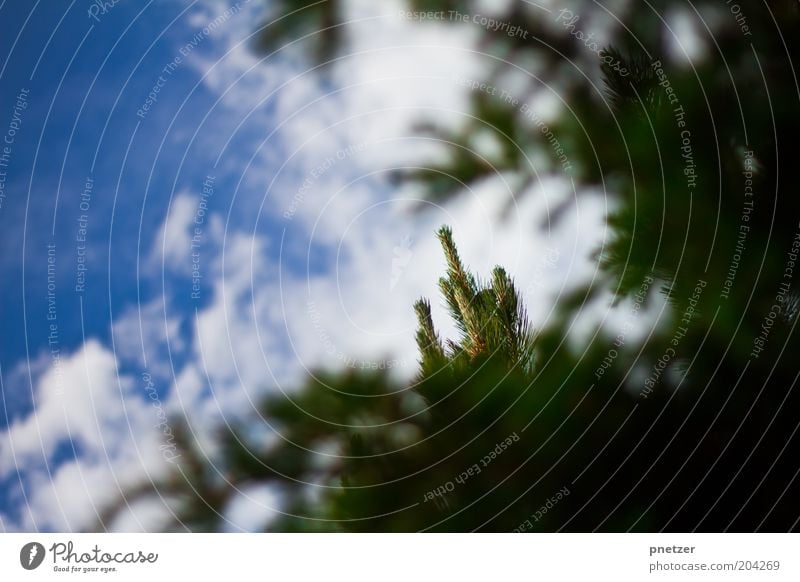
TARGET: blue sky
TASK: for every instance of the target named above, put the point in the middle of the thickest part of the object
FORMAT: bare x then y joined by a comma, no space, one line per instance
70,133
254,172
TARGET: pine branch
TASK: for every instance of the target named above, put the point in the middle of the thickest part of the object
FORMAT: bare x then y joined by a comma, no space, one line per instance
431,351
462,281
490,317
460,289
639,83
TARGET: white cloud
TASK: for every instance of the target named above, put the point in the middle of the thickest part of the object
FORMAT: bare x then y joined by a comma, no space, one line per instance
86,404
75,400
144,334
394,74
173,245
686,43
252,509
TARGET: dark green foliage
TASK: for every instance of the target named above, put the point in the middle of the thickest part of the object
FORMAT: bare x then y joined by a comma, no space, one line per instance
315,24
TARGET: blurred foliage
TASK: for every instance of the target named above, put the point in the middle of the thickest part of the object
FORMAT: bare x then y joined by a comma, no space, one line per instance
316,25
692,427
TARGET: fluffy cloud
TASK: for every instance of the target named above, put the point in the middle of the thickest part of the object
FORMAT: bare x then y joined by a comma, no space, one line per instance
338,140
84,406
